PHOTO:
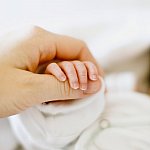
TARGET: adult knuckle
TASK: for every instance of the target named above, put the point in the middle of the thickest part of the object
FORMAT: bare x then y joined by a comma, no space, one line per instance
36,29
83,43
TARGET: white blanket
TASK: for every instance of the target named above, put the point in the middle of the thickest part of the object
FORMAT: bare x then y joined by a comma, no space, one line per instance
123,125
57,125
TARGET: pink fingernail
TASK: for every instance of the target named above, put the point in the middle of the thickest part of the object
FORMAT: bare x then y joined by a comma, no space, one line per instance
83,87
63,78
94,77
75,85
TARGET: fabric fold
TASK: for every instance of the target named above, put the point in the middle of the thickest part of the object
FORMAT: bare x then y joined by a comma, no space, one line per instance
122,122
57,125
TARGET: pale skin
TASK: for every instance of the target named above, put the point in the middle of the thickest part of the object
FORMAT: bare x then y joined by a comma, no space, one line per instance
78,73
23,51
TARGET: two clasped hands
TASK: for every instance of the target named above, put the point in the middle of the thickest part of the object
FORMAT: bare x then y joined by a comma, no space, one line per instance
74,75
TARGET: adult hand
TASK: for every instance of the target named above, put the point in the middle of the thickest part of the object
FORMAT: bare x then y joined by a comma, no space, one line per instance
21,53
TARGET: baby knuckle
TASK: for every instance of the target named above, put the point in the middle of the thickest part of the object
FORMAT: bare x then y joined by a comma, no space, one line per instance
72,75
53,65
83,74
67,64
79,65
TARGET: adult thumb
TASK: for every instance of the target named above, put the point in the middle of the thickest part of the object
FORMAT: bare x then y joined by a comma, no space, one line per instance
44,88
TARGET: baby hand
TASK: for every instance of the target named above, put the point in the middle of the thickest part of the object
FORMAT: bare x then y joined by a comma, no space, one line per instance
77,72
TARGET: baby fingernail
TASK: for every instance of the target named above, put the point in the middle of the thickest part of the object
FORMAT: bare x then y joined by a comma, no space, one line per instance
63,78
83,86
75,85
94,77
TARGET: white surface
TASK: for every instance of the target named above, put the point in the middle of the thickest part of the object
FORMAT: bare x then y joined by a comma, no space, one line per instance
8,140
57,129
103,24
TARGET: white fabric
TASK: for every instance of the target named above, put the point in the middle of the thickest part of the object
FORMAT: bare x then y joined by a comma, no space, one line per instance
105,26
8,140
123,125
57,125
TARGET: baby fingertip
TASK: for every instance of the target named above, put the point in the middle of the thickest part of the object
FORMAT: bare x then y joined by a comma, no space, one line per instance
63,78
94,77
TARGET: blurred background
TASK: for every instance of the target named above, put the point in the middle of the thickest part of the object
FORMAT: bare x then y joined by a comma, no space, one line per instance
116,31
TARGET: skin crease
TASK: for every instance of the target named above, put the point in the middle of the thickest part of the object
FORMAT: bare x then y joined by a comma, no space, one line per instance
21,54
